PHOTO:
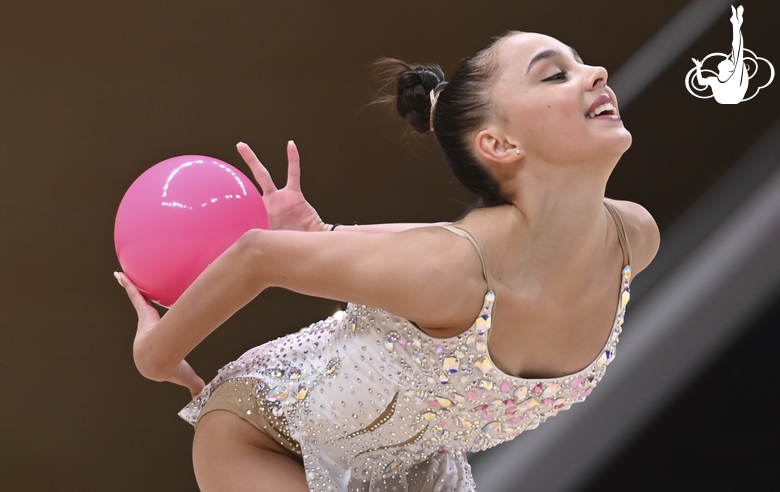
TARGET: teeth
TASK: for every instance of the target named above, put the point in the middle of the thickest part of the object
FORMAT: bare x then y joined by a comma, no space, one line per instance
604,107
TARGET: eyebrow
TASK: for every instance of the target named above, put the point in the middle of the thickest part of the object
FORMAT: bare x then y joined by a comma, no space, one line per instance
550,54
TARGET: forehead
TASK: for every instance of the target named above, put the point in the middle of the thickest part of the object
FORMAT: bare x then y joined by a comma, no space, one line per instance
518,50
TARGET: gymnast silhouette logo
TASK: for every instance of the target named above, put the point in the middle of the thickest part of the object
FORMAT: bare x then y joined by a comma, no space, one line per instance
735,70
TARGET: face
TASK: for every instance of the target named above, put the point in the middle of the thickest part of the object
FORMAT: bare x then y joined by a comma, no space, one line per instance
557,108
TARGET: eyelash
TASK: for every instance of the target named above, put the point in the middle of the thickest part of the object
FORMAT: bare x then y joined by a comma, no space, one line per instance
558,76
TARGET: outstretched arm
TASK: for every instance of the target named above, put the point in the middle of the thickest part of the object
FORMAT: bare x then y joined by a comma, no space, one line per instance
380,228
427,275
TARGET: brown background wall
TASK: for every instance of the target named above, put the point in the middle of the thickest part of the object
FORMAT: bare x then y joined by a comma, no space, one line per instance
94,92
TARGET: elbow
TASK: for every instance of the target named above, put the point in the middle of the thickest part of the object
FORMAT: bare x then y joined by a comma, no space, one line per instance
250,243
149,364
145,366
250,252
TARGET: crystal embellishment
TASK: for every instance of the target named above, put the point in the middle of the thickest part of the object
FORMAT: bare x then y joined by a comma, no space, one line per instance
369,390
302,392
333,367
277,394
451,364
484,364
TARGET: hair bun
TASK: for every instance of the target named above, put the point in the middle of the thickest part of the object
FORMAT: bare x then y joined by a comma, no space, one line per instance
413,84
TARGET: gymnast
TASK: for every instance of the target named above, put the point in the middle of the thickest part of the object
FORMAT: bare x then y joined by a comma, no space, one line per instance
457,336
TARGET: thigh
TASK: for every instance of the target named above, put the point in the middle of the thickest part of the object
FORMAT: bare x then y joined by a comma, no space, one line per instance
231,455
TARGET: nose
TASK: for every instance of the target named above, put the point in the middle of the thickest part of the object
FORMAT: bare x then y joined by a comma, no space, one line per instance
598,77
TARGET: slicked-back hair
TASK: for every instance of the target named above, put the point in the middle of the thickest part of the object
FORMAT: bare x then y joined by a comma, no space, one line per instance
463,105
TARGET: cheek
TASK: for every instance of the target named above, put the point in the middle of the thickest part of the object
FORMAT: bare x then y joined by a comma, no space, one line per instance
555,125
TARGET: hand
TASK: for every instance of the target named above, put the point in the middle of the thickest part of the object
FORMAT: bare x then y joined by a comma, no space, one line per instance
697,62
148,318
287,208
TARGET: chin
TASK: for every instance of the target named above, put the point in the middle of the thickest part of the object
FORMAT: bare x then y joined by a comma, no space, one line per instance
619,142
626,140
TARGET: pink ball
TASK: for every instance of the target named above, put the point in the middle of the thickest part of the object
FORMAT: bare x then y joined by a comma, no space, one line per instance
178,217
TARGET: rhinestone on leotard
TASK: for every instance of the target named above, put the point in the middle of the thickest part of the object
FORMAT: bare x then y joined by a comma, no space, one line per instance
367,394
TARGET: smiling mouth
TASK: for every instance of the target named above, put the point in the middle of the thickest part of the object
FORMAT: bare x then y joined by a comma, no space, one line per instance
606,109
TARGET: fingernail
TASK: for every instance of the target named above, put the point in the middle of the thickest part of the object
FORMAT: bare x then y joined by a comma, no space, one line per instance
118,278
290,142
240,143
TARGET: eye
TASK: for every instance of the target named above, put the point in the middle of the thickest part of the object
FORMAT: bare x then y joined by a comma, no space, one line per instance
558,76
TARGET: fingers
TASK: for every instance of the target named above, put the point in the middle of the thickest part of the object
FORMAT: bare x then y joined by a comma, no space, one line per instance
293,167
140,303
258,169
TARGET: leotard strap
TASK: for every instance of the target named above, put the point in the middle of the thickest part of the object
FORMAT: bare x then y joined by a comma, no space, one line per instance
462,231
622,236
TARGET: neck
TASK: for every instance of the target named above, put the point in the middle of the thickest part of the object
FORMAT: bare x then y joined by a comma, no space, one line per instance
562,211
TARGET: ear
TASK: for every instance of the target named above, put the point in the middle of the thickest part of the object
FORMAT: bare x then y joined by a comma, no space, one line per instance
493,146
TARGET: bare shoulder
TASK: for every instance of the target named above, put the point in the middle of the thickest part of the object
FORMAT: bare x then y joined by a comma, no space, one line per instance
497,229
642,231
490,223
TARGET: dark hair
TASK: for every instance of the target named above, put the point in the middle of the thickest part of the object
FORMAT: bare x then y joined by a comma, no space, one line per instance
463,104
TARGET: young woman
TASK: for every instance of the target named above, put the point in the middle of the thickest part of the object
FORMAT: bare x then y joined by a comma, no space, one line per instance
457,336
